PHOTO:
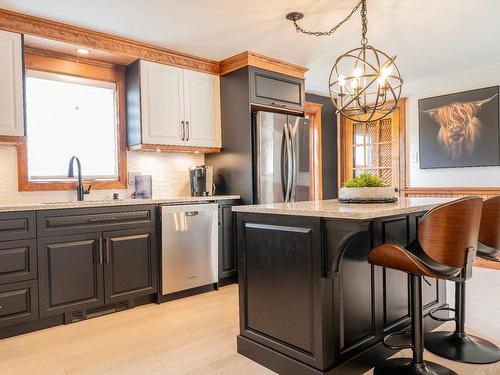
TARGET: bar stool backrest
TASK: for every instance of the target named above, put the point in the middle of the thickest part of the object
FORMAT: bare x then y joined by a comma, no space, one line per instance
449,232
489,232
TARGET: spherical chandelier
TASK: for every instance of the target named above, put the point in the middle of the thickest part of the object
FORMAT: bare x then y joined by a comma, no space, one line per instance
364,83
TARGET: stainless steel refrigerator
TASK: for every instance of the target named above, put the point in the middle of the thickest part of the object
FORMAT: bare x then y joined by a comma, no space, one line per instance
281,158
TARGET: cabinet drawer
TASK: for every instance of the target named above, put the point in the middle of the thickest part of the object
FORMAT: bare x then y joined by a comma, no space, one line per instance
18,302
17,261
17,225
277,90
87,220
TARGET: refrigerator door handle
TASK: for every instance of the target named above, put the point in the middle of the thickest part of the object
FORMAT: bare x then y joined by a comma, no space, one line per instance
289,152
283,156
293,183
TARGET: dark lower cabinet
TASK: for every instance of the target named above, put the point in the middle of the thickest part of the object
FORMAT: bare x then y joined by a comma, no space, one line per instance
227,248
130,264
18,302
84,271
70,273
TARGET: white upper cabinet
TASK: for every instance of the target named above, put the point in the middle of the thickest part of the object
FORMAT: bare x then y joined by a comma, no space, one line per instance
162,104
202,109
11,84
178,107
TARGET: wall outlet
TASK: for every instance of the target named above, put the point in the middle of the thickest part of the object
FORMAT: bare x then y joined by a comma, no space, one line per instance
414,157
131,178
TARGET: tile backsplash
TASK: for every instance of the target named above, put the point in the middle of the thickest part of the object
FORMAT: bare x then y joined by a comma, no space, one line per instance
169,171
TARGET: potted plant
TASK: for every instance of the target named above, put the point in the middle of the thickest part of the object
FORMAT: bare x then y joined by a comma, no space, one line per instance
366,188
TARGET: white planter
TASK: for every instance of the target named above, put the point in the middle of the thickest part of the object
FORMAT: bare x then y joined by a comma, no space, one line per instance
368,194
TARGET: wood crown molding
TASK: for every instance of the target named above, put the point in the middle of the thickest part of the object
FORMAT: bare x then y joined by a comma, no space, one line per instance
248,58
79,36
26,24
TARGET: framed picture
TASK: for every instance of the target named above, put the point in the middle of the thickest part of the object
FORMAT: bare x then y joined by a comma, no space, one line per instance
460,130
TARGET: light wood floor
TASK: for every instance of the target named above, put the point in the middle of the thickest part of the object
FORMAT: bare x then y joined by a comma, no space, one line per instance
192,336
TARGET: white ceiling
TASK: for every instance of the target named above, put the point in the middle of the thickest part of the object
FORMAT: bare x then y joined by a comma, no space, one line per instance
430,37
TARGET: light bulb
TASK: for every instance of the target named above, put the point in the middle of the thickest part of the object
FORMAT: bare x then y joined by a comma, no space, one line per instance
83,51
342,80
386,71
354,83
357,72
381,81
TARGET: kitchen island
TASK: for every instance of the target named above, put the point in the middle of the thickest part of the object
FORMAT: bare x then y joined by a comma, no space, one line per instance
309,300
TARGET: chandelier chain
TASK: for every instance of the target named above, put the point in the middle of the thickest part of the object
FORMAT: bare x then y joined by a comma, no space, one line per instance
361,3
364,23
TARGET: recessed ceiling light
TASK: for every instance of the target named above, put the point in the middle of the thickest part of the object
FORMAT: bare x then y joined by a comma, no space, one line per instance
83,51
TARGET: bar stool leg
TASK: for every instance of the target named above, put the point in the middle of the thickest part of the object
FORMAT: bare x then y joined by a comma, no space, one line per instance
458,345
415,365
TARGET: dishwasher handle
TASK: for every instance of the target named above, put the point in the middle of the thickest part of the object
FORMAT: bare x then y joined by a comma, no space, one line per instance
191,213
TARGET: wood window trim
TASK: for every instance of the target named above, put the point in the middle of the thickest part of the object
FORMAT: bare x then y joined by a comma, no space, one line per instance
313,111
341,145
83,68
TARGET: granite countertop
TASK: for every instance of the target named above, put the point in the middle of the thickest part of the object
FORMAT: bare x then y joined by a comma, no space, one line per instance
333,209
34,206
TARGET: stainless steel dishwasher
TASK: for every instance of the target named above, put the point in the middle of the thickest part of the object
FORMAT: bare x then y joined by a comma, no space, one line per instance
189,246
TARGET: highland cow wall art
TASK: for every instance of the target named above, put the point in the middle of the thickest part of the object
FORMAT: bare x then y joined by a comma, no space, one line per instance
460,130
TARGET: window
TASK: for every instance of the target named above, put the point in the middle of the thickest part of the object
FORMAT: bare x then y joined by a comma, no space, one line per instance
69,116
74,106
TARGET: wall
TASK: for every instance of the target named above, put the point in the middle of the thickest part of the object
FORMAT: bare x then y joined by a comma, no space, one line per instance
329,144
439,85
169,171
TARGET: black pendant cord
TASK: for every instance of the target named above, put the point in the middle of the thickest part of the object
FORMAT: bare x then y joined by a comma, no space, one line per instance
295,16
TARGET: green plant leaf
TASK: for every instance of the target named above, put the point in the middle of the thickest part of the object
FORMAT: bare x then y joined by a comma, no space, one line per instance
365,180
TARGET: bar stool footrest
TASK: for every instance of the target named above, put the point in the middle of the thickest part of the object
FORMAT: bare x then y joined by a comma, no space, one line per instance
439,319
386,339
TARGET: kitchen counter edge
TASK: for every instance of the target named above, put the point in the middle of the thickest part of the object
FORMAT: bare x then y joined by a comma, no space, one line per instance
26,206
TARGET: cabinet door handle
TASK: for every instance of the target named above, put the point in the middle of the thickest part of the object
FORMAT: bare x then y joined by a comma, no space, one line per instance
183,131
278,105
100,250
188,130
108,252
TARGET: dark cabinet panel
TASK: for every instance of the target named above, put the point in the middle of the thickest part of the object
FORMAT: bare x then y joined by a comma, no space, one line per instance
70,273
280,264
18,302
17,261
130,264
395,230
227,249
86,220
17,225
357,307
277,90
430,292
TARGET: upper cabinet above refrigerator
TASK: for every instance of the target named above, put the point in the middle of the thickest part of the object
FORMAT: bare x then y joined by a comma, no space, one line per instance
276,90
11,90
172,109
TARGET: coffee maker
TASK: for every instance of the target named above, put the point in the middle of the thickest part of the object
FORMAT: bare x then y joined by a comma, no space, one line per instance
202,181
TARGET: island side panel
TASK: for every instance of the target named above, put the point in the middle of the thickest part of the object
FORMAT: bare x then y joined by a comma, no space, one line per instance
283,304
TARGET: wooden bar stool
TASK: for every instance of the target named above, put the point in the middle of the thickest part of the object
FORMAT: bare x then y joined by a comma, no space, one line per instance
489,232
458,345
446,245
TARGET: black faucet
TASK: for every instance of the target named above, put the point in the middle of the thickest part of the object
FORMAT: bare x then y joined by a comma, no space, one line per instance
80,191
